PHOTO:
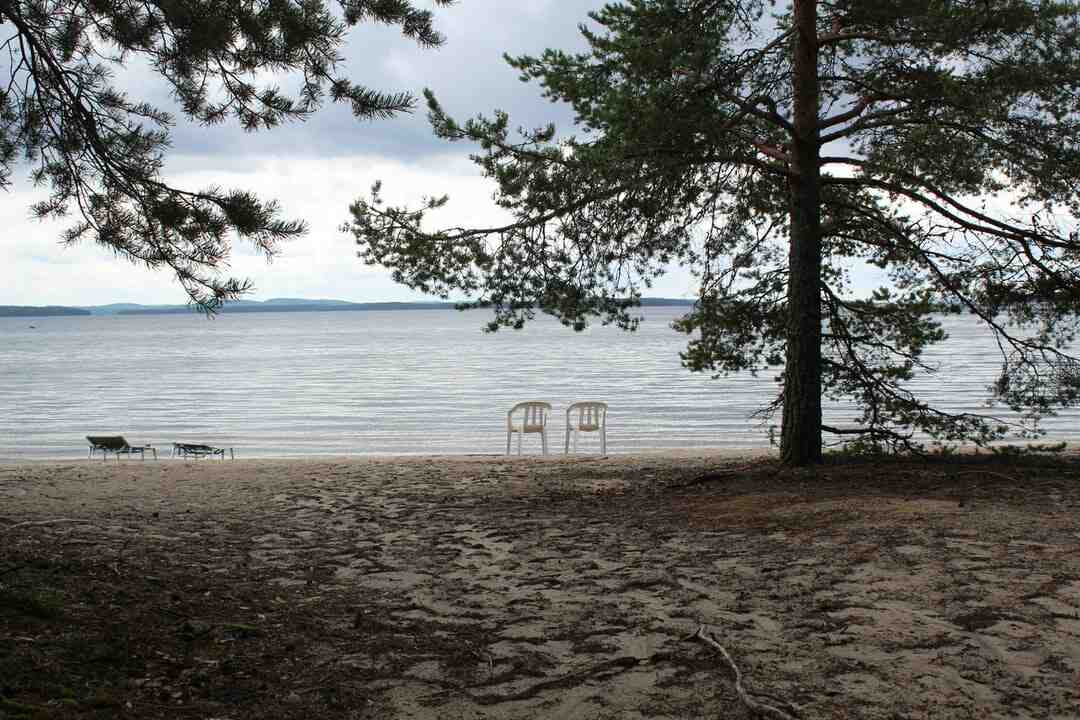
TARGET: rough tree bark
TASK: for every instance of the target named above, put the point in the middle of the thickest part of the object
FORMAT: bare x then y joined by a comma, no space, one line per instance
800,437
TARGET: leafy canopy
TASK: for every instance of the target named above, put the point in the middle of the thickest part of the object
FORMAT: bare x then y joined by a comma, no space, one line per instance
947,145
101,152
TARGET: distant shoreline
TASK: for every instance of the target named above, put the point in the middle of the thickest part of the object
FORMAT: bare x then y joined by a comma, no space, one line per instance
47,311
251,306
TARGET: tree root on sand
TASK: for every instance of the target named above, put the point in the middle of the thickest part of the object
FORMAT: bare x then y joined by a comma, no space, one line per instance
606,669
753,705
714,476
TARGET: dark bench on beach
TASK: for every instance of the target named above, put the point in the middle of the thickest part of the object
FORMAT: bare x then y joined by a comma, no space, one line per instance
117,445
186,450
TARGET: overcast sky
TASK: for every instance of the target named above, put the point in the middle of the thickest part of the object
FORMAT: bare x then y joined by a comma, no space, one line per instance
315,169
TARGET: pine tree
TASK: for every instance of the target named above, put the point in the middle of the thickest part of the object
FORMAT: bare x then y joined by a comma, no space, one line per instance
101,152
770,150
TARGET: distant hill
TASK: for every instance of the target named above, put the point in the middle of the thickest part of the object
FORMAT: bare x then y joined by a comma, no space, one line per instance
666,302
256,306
45,311
303,305
284,305
300,301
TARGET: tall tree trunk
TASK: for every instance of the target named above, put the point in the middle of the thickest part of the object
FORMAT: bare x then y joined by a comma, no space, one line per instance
800,437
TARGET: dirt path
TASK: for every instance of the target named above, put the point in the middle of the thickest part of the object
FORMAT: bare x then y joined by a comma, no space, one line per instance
472,588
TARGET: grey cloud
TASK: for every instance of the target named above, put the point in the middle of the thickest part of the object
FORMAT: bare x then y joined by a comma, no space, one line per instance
468,75
307,166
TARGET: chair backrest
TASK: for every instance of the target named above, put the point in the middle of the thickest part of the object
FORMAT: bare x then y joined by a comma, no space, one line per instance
535,412
107,442
591,415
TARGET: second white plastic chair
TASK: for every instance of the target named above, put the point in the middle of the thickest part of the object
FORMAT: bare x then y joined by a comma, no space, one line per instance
588,416
534,416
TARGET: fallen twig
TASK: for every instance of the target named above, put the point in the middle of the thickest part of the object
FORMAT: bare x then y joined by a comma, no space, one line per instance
754,706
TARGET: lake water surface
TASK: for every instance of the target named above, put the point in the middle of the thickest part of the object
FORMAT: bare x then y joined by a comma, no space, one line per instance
390,382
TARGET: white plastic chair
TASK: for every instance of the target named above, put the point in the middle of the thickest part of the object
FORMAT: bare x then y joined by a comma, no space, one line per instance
591,417
534,419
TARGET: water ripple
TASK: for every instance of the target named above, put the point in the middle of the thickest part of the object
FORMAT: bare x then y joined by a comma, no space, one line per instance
389,382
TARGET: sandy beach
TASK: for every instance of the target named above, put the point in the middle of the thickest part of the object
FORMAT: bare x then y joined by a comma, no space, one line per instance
492,587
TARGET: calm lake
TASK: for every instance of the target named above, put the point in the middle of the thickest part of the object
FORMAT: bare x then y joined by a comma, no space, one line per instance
391,382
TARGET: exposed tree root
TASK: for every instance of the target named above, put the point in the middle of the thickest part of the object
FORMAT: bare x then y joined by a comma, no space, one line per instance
605,668
754,706
716,476
706,478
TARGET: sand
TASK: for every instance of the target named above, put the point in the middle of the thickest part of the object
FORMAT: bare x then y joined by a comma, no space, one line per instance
491,587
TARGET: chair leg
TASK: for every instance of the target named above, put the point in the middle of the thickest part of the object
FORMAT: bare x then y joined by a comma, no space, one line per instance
520,436
507,442
543,441
566,444
603,441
